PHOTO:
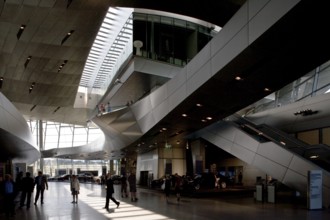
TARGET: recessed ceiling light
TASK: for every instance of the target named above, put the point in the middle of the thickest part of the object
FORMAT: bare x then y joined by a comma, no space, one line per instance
184,115
266,89
199,105
314,156
238,78
203,120
164,129
209,118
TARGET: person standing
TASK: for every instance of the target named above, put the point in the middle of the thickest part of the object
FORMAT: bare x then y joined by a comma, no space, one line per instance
132,186
124,186
75,187
109,193
8,190
240,177
27,189
41,184
177,186
167,188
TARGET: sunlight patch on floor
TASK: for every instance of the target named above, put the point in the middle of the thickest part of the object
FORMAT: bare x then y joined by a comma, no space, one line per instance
125,210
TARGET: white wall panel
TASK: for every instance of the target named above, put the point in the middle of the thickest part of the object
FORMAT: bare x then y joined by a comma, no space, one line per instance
141,108
301,166
218,140
242,153
158,96
155,68
161,110
270,167
225,131
245,140
198,62
199,78
177,82
295,180
277,154
255,6
227,33
237,44
147,122
177,97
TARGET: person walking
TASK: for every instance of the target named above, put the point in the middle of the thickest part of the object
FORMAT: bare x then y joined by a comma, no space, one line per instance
132,186
109,193
123,186
75,187
27,186
8,191
41,184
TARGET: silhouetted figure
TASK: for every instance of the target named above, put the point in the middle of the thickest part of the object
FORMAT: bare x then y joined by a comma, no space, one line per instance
27,189
124,187
167,188
240,178
41,184
110,192
8,190
132,186
177,187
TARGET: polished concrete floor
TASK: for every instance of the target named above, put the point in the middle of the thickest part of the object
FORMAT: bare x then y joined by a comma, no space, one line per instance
152,205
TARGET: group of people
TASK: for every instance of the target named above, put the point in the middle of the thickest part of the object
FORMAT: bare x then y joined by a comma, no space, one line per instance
131,180
22,187
177,182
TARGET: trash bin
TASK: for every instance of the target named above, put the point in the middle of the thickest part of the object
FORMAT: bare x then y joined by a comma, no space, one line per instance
271,193
259,193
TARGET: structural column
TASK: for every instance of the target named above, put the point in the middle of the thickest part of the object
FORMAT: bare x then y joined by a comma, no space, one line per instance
41,143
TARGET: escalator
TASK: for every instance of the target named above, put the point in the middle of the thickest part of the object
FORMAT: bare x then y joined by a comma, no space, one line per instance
272,151
318,154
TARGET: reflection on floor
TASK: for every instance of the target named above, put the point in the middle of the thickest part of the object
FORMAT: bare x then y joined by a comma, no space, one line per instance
152,205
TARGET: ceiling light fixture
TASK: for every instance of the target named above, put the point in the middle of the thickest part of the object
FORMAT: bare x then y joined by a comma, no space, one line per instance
33,108
184,115
67,36
1,80
209,118
31,87
199,105
62,65
20,31
314,156
305,112
56,109
267,90
27,61
117,81
238,78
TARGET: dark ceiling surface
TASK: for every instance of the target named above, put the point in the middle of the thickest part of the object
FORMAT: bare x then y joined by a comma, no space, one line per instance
296,44
33,56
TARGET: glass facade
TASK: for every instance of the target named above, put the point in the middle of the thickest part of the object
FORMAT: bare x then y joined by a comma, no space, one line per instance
60,135
169,39
316,82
